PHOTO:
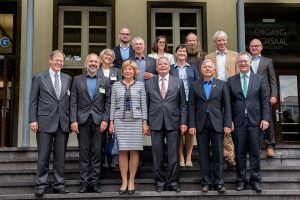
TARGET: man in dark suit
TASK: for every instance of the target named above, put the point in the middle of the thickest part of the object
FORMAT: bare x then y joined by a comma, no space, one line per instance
167,110
251,115
90,106
124,50
49,119
264,66
146,64
210,119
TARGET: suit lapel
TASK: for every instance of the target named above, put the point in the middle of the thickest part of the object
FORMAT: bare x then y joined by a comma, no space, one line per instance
49,84
201,89
250,84
64,85
84,84
212,88
260,65
156,86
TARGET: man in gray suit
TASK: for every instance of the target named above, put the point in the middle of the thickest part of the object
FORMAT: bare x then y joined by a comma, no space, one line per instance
90,107
168,112
146,64
251,115
210,119
49,119
264,66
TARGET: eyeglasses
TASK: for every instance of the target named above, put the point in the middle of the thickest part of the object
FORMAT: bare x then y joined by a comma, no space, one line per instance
253,46
125,34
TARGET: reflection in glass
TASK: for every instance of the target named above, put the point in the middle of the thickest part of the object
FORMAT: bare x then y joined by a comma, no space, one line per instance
163,19
188,20
72,18
97,18
72,35
97,35
290,108
72,52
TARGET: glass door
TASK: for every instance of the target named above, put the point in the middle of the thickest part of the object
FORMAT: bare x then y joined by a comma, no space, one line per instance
287,108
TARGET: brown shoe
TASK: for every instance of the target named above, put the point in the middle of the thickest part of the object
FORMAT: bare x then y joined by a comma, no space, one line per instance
270,152
231,163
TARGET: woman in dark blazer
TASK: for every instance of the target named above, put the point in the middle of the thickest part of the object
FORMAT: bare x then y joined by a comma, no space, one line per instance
107,69
188,74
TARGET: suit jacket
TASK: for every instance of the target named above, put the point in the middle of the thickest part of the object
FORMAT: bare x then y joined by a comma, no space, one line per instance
266,69
45,108
81,103
231,62
119,60
150,64
172,110
137,97
218,105
256,101
114,74
191,71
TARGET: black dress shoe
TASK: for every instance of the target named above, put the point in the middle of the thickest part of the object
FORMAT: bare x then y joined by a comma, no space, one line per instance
174,188
61,190
83,189
122,192
256,186
130,192
39,192
240,186
96,188
160,188
220,188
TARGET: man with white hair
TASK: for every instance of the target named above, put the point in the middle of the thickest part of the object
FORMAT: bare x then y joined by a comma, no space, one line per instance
226,66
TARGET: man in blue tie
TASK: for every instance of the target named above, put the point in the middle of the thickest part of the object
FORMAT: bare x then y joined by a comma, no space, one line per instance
251,115
210,119
264,66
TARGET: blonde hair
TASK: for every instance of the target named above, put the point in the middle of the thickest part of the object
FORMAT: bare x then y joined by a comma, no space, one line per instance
109,51
132,65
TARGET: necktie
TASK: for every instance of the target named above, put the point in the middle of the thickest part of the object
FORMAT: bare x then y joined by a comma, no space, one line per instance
56,85
163,88
245,86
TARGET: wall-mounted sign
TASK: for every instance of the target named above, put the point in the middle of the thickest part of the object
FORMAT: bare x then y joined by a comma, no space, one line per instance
278,37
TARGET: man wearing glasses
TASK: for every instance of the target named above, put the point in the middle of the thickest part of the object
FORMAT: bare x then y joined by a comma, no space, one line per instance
264,67
124,50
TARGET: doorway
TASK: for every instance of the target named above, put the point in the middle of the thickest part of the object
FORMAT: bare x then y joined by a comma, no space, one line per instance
287,109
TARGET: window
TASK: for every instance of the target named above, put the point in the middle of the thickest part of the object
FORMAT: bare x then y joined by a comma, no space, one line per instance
175,24
83,30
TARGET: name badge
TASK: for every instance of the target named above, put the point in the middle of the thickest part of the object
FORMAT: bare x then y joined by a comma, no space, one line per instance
68,92
102,90
113,78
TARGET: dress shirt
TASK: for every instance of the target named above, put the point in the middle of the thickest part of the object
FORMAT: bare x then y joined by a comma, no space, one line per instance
166,79
52,75
207,88
221,65
141,63
254,63
124,52
91,85
183,76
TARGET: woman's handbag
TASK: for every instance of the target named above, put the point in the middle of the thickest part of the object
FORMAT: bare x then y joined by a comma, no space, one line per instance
112,145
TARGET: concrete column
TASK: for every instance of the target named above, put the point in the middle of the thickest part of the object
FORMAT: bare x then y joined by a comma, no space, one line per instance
28,72
241,25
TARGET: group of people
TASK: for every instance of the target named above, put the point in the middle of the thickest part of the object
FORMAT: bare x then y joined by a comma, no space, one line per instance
224,98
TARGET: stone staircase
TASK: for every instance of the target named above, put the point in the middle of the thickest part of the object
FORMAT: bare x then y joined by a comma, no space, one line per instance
280,178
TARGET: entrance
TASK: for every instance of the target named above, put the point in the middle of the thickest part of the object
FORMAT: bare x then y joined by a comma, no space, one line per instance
287,108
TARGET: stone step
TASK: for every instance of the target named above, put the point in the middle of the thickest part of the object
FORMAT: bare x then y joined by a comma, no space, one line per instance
186,195
146,172
186,184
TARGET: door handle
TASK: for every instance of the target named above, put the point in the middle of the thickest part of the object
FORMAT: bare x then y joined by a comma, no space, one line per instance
277,115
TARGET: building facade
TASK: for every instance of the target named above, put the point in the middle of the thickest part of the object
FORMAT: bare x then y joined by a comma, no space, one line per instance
79,27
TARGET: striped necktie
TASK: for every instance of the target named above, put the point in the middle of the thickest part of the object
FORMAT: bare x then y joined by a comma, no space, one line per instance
56,85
